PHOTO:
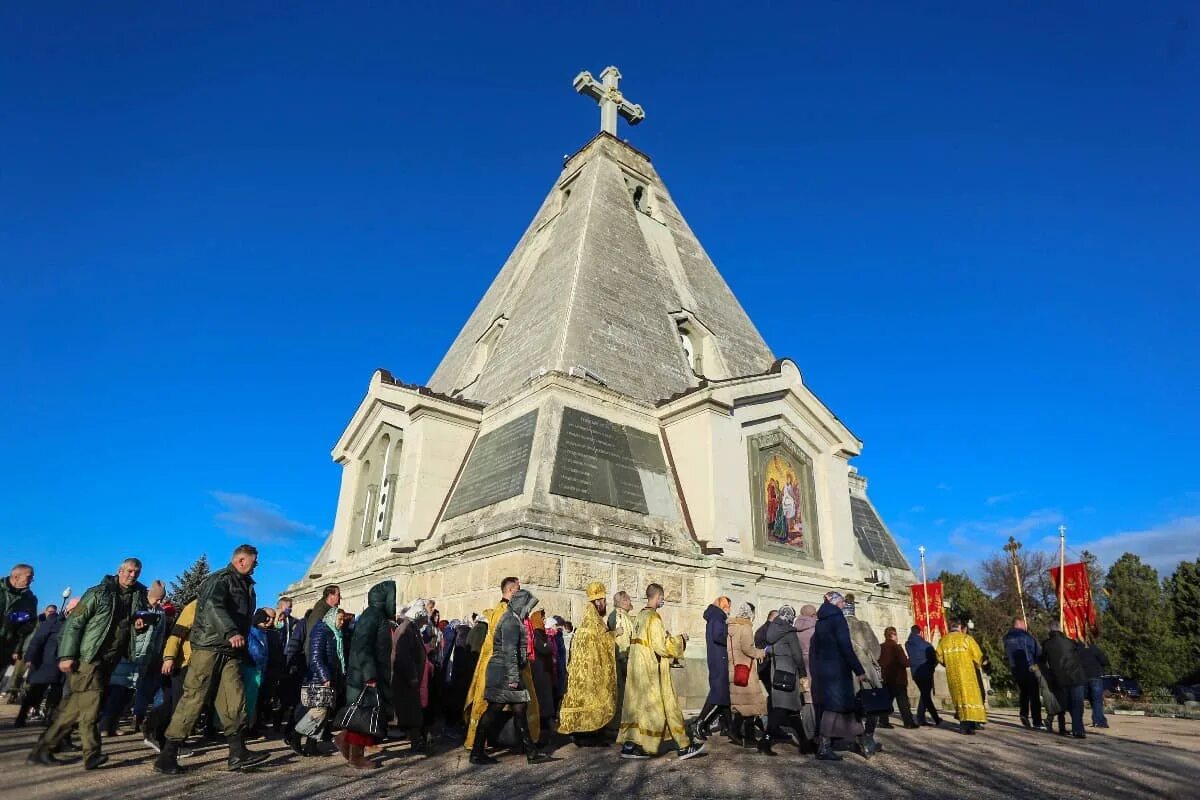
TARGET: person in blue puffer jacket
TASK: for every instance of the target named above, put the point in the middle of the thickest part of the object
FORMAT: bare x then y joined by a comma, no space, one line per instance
258,650
325,665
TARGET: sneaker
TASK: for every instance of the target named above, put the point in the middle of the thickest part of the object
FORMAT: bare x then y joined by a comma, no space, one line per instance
631,750
692,749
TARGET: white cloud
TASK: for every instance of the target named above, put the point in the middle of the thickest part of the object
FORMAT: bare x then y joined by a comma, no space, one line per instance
916,509
1162,546
943,486
983,531
253,519
997,499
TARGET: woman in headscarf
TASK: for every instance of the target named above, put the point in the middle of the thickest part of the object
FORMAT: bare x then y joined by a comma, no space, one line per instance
787,669
834,670
408,671
503,685
325,665
543,668
369,666
745,690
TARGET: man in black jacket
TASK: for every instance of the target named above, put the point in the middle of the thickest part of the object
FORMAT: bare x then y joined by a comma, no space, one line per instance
224,610
1066,675
18,613
1095,665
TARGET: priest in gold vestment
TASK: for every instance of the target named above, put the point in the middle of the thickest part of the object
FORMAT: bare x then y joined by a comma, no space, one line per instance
476,705
962,658
591,699
651,714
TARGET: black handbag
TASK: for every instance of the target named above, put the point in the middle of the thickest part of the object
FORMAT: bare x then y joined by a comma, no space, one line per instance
363,715
781,679
875,701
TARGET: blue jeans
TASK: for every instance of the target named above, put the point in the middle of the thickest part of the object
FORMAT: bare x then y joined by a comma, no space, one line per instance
1095,689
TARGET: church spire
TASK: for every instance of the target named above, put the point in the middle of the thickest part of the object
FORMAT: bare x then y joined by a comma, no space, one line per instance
608,95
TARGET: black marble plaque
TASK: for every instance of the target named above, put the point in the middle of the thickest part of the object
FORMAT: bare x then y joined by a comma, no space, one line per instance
496,468
598,461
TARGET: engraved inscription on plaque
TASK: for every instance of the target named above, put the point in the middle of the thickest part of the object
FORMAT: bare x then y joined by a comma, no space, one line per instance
603,462
496,468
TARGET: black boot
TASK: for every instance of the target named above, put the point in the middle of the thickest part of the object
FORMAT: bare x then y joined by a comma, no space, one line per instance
737,730
293,741
478,756
240,756
700,728
764,745
861,747
532,754
749,739
825,751
167,762
41,755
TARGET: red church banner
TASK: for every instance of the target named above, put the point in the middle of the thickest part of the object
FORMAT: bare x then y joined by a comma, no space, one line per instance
927,607
1079,612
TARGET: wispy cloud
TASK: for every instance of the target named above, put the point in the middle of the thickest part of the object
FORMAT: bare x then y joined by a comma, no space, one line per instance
997,499
984,531
1162,546
943,487
916,509
253,519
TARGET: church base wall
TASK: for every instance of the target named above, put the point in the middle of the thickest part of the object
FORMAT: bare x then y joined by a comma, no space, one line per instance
463,583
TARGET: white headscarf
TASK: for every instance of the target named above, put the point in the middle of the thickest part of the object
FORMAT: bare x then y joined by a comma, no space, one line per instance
744,611
417,609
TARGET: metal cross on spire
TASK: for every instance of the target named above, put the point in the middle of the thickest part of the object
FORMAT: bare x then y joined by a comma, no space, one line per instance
612,102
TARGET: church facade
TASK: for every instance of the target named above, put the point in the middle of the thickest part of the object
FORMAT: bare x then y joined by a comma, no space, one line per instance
608,412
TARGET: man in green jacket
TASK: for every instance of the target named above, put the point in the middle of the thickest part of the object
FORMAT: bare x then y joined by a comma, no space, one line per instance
18,613
97,635
224,610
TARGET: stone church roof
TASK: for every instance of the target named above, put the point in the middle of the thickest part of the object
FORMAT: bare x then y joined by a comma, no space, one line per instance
604,284
873,537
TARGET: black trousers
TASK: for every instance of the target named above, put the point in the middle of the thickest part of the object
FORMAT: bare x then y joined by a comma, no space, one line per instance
1031,699
900,695
34,694
925,685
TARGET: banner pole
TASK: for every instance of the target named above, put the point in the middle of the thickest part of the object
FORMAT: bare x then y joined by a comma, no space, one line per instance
925,593
1062,568
1012,547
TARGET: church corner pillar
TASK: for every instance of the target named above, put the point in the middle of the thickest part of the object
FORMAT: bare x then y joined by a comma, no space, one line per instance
837,538
435,446
710,465
340,536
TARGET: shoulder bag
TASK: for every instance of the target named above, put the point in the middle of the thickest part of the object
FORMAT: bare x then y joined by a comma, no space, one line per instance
362,716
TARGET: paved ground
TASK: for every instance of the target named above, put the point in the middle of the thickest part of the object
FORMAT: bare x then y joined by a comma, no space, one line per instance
1138,757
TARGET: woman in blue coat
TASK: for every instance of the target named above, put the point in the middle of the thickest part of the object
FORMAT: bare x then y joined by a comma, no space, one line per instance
325,665
716,705
834,667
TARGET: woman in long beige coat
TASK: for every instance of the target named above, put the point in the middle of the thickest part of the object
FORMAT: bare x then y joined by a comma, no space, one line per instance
749,701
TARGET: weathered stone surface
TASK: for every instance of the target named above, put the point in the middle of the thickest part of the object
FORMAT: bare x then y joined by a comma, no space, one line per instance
608,278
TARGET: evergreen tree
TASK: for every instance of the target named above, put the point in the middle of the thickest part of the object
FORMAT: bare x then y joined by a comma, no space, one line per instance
1183,596
186,587
1137,630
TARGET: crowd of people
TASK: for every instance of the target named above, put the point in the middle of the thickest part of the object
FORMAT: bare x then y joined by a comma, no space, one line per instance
333,682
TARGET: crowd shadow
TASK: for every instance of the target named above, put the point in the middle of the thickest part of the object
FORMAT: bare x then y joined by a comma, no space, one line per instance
1003,759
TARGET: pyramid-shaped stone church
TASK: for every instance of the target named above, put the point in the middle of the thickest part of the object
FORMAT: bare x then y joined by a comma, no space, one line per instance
608,412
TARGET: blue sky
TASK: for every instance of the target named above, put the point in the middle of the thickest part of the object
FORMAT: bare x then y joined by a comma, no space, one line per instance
217,220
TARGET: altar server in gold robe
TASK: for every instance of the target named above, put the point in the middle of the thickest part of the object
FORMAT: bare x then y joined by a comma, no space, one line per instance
591,699
651,714
962,658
